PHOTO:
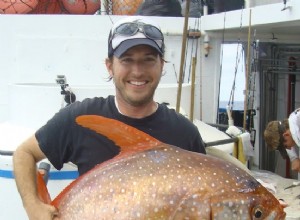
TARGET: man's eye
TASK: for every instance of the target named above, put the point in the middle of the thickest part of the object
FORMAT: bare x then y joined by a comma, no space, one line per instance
126,60
149,59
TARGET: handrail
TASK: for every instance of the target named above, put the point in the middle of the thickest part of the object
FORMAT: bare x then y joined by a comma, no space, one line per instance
221,142
6,153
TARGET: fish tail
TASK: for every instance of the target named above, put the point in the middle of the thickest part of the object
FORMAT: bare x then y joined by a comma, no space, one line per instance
129,139
42,188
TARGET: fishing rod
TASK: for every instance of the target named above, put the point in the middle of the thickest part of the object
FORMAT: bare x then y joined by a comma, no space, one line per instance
183,48
247,72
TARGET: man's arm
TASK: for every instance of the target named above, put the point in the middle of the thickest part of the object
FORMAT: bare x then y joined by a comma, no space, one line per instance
25,158
295,161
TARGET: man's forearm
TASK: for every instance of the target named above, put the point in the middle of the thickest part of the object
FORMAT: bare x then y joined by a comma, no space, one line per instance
292,153
25,176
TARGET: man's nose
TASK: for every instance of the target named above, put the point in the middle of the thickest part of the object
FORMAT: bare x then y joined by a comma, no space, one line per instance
138,67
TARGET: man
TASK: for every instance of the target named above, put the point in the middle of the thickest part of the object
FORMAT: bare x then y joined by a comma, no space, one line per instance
135,63
284,136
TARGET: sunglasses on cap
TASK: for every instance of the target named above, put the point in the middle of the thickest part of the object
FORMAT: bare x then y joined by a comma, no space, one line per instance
131,28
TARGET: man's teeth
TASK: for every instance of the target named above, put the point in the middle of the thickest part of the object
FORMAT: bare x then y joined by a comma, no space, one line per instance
137,83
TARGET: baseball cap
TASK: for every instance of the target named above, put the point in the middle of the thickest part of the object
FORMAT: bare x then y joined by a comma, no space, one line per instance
133,31
294,123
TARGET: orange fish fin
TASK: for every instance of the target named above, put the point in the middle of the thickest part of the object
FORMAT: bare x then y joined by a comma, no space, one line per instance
42,189
129,139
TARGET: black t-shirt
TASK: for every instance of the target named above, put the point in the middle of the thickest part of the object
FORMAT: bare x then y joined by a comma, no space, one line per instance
62,140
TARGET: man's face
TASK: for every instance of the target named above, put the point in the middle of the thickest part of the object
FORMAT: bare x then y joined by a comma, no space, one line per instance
288,141
136,74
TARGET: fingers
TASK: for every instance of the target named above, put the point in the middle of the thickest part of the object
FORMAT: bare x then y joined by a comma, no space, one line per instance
55,213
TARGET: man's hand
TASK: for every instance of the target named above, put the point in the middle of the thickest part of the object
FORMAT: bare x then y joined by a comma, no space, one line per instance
40,210
296,165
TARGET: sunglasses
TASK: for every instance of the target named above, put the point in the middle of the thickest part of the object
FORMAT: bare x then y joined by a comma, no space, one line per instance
131,28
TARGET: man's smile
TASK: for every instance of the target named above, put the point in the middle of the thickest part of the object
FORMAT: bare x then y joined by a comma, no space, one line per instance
138,83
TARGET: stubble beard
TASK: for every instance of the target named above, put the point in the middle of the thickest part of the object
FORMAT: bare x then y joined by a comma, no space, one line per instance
137,101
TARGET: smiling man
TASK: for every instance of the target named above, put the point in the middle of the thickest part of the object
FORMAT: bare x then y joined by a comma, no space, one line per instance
135,62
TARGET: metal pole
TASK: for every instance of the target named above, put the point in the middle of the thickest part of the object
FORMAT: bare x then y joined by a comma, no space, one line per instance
194,61
247,73
183,48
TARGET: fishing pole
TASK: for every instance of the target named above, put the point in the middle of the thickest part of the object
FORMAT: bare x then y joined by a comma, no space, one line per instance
247,72
183,48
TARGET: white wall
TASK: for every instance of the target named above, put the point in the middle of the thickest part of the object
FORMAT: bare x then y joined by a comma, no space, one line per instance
37,48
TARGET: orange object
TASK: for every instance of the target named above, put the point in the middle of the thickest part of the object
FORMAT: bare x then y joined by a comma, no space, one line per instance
125,7
42,189
152,180
17,6
81,6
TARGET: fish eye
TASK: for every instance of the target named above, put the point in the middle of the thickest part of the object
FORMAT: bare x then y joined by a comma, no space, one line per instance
257,213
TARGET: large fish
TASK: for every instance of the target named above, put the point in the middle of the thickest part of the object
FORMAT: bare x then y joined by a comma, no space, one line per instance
153,180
